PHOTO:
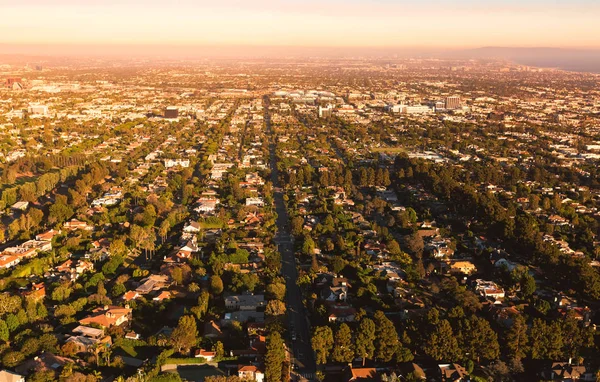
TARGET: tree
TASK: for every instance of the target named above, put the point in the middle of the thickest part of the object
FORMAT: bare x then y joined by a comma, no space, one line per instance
575,337
118,289
216,285
276,290
386,337
415,244
274,357
69,349
9,303
322,341
184,335
365,339
275,308
546,340
118,248
308,247
527,284
4,333
297,225
193,288
12,358
177,276
343,350
517,339
219,350
479,339
441,344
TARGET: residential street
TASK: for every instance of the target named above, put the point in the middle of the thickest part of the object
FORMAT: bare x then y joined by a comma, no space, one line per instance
297,317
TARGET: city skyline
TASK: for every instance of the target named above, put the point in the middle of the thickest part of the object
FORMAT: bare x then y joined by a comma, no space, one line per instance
358,23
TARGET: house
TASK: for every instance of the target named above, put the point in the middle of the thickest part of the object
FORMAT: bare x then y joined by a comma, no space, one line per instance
130,295
256,201
206,205
208,355
9,261
48,235
414,370
489,289
9,376
108,316
20,206
192,227
243,316
506,315
453,373
36,292
557,220
251,372
83,266
212,330
565,371
132,336
164,295
335,293
87,344
462,266
89,332
361,374
37,245
45,361
245,302
74,224
341,313
153,283
169,163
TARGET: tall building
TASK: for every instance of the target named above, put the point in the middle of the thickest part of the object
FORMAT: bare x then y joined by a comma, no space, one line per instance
171,112
326,112
453,102
37,109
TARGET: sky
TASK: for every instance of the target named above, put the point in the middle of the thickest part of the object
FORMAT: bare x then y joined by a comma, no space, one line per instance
444,24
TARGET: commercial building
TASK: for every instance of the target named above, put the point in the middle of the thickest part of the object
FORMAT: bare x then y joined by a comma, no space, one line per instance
171,112
325,112
453,102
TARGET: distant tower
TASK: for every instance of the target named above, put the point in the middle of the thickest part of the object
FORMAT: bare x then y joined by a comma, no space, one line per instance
453,102
171,112
326,112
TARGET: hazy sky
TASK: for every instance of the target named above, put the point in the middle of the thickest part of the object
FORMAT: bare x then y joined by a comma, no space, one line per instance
381,23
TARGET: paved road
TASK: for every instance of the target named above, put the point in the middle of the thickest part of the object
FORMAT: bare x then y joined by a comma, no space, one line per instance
297,316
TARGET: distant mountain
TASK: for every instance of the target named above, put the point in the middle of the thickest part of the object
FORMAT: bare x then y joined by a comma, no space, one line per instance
581,60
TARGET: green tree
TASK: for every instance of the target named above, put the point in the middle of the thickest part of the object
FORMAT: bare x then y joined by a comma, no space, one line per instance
441,344
308,247
12,358
517,340
546,340
322,341
365,339
527,284
343,351
118,248
118,289
184,335
275,308
479,339
274,358
219,350
276,290
4,333
386,337
297,224
216,285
